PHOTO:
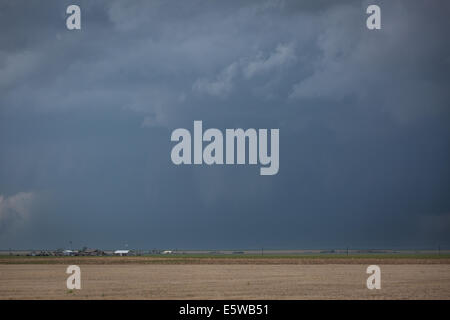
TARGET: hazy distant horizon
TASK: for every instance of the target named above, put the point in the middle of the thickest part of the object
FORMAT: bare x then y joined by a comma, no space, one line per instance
445,247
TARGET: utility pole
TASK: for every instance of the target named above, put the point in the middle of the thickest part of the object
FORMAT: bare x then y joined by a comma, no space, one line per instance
262,251
347,251
439,250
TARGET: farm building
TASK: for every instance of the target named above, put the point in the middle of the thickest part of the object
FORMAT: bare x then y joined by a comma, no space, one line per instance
68,253
92,252
122,252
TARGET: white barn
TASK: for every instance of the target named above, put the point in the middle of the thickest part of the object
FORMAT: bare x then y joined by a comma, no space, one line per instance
122,252
68,253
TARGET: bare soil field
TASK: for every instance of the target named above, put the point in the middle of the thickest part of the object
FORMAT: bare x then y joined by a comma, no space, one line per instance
248,280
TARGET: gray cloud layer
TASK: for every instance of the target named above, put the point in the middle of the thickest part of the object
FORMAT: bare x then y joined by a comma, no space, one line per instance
15,210
86,117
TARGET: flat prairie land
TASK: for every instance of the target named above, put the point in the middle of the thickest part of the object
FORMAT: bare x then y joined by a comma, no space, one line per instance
224,278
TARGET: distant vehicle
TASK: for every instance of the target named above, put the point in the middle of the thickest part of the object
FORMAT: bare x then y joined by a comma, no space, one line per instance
167,252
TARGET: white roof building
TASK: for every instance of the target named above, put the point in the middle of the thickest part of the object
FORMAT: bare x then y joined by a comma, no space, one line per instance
122,252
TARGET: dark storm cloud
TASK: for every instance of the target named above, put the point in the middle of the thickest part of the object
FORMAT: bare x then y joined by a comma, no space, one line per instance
86,117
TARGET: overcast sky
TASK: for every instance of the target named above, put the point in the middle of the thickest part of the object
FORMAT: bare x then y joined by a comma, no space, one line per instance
86,118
